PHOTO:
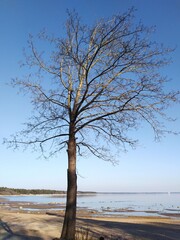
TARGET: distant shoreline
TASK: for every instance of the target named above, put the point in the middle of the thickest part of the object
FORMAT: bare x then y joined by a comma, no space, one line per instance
138,192
4,191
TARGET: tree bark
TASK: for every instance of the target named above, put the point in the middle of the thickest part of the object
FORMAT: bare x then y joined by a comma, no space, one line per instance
69,225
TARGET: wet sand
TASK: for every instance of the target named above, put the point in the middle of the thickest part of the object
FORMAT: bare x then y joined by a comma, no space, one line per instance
19,224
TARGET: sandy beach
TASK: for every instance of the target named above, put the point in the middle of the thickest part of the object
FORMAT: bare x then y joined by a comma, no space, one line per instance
18,224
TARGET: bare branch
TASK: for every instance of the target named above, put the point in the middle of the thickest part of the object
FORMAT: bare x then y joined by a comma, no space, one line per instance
101,81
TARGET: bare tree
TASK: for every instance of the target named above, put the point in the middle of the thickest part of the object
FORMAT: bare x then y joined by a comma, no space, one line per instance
99,82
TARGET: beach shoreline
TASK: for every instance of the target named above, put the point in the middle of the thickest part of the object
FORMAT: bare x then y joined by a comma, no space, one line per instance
44,221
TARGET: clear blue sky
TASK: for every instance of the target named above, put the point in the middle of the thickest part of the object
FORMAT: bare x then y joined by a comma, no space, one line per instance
151,167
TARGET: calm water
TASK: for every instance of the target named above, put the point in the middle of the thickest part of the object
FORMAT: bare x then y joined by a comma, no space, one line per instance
117,203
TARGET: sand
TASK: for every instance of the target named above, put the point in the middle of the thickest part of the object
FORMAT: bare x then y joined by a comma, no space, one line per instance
18,224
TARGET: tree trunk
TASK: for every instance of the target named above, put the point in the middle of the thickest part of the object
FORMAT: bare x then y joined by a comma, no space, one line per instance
69,225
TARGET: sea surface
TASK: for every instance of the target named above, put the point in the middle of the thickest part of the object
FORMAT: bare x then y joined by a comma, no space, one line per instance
129,204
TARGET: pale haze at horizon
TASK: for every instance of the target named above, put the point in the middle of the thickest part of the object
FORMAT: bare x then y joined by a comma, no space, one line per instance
150,167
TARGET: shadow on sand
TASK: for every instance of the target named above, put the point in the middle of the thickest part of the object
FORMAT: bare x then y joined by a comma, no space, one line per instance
154,231
107,229
6,233
123,231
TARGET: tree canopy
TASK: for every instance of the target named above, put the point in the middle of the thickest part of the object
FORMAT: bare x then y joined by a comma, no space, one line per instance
105,77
